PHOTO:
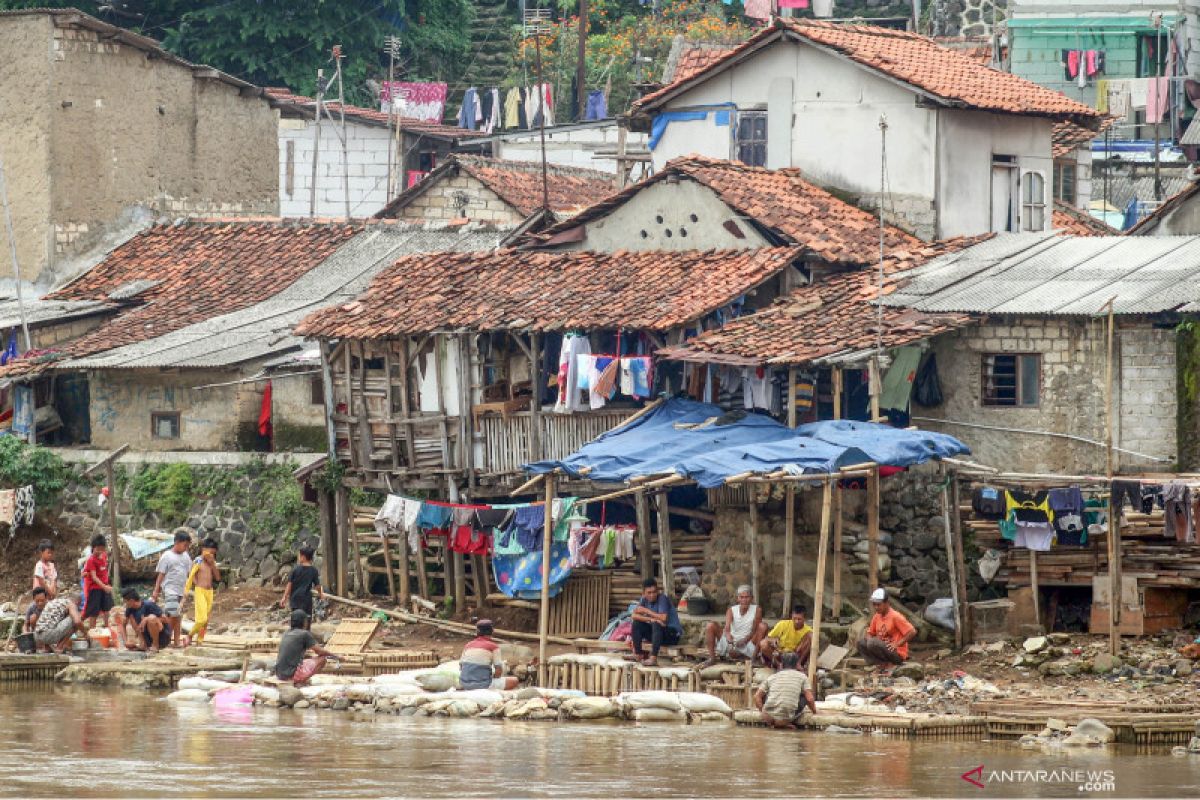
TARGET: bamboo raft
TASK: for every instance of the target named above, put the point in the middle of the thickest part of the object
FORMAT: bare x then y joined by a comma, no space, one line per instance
904,726
382,662
592,676
33,668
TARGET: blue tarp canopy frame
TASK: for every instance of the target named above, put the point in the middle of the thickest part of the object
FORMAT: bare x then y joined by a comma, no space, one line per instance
703,443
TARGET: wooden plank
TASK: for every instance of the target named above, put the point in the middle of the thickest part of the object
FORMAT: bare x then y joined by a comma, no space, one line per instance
352,636
791,403
819,590
387,565
535,402
341,521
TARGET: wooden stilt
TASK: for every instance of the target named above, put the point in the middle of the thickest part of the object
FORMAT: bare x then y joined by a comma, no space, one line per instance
1114,580
818,611
544,613
405,579
479,572
838,558
329,553
753,533
950,564
642,512
837,392
664,544
1036,590
387,565
791,404
960,566
789,545
873,528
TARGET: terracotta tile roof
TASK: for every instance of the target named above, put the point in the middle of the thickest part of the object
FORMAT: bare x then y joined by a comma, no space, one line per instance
511,289
697,57
827,320
173,275
1068,136
370,116
976,48
1071,221
781,202
943,74
519,183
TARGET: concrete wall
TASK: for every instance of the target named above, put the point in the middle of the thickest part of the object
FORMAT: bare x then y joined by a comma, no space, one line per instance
835,136
569,145
1182,220
1072,395
365,166
692,218
299,422
443,201
103,128
25,140
968,141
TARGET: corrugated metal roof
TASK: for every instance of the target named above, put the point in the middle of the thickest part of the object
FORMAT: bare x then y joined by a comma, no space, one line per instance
264,329
1059,275
38,310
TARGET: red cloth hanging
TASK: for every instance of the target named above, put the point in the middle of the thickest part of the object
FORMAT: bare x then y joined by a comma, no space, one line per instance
264,413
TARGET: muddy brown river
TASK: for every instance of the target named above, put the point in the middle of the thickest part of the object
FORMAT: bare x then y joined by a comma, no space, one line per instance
82,743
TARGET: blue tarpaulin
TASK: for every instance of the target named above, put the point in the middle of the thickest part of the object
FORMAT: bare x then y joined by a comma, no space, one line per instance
708,445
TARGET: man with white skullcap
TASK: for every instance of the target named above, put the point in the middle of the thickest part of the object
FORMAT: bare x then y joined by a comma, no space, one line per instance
740,636
888,634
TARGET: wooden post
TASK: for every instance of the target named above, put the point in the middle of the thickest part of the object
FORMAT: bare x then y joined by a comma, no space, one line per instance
327,397
791,403
544,613
874,386
819,589
873,528
339,516
405,579
387,565
753,542
950,564
1110,455
410,445
479,573
106,464
1033,585
535,402
664,544
438,353
642,513
837,392
455,558
960,566
360,577
838,558
328,547
1114,579
789,544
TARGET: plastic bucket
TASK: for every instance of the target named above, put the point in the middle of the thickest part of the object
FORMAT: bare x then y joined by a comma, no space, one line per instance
25,643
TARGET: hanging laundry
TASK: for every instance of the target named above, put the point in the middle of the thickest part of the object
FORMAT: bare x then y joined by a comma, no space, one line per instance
989,503
793,3
10,350
523,115
398,516
597,105
491,518
1027,507
1177,503
1152,495
758,9
756,388
569,393
1037,536
264,413
23,515
548,103
521,575
605,385
1158,99
1070,62
623,542
8,507
485,111
468,112
1138,89
466,537
585,371
512,108
525,529
608,545
636,376
1093,62
434,519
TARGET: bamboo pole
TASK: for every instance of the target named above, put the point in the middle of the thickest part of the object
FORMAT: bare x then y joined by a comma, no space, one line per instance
753,544
544,611
837,392
359,576
342,537
666,559
1035,590
1114,580
405,580
1110,455
950,564
838,558
819,589
642,512
873,528
443,624
527,486
960,566
789,544
535,401
791,404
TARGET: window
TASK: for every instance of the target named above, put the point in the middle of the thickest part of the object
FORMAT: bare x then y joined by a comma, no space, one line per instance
316,389
1004,194
164,424
1033,202
752,138
1011,379
1065,182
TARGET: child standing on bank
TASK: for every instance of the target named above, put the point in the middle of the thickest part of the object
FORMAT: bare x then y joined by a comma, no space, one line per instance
97,593
304,577
204,577
45,572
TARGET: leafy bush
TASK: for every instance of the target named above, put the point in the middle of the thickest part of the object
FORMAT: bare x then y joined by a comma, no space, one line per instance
22,464
168,490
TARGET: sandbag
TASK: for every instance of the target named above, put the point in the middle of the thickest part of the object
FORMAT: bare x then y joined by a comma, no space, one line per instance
747,716
485,697
941,613
188,696
652,714
496,709
333,680
589,708
206,684
675,672
699,702
395,689
709,717
437,681
266,694
561,694
520,709
463,708
653,699
360,692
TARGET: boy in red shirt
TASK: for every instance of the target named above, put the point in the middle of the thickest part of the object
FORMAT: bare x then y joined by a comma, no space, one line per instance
98,597
888,634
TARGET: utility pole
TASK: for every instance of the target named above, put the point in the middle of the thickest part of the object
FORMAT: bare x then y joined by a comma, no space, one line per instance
312,189
537,41
337,58
12,251
581,65
392,45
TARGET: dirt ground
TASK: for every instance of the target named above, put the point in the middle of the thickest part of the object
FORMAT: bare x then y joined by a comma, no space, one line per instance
18,554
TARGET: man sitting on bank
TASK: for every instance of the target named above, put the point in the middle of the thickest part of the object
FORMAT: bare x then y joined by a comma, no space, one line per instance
481,666
888,634
290,663
791,635
742,633
654,620
783,697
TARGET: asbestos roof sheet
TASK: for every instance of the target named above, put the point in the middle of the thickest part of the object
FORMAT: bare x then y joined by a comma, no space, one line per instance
1044,273
780,201
264,329
509,289
948,76
1071,221
38,311
369,116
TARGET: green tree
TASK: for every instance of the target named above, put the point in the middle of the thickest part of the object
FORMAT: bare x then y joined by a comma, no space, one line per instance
284,42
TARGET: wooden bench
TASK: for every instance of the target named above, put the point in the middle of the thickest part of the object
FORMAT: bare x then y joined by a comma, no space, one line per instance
677,651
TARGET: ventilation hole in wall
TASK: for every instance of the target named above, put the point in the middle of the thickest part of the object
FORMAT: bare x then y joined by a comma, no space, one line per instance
667,231
658,219
645,235
694,218
683,231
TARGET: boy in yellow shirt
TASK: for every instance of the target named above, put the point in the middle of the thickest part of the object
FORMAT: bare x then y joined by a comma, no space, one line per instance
204,577
791,635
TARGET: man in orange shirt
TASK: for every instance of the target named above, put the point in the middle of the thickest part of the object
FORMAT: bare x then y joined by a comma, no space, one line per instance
888,634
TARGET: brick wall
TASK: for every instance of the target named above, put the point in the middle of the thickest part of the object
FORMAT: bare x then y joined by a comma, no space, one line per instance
1073,357
457,197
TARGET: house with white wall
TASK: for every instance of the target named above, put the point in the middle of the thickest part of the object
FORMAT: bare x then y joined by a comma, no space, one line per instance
362,172
968,148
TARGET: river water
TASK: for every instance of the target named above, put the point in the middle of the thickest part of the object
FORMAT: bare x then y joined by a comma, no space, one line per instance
82,743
